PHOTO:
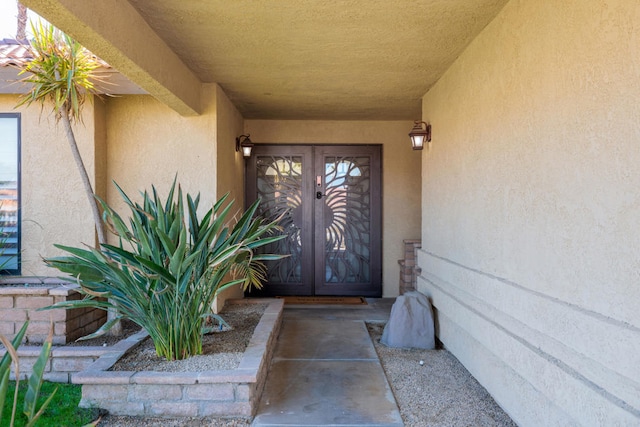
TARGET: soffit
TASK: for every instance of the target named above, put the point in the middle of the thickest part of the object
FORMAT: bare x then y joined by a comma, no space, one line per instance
310,59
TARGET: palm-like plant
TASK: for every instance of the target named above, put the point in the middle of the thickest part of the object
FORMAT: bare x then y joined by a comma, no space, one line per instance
169,266
62,74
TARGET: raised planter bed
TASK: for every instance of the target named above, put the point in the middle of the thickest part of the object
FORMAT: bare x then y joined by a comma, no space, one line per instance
63,362
21,297
228,393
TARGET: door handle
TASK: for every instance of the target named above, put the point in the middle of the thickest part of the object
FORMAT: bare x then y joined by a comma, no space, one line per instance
319,186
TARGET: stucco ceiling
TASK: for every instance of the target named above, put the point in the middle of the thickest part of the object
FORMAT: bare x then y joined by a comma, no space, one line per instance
313,59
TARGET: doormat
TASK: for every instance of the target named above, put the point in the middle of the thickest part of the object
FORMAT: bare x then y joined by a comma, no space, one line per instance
325,300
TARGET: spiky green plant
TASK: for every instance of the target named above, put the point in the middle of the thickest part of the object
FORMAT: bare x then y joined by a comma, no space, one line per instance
169,266
62,74
30,407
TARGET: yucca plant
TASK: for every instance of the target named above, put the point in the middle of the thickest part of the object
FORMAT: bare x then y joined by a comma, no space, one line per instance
30,407
62,74
169,266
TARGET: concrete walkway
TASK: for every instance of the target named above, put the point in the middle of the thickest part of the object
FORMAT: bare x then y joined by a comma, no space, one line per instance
325,371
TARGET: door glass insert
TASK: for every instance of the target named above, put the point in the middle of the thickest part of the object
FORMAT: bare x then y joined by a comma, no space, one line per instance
279,185
347,219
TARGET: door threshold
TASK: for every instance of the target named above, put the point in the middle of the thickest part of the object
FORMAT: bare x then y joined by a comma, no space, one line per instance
323,300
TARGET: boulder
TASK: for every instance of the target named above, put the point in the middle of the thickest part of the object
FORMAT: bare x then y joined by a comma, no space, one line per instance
410,323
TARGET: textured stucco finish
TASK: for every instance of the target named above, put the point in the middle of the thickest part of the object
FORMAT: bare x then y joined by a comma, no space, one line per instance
229,162
303,59
54,205
400,173
530,210
229,166
148,143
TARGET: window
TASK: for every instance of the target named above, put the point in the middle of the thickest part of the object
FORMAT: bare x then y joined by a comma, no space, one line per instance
10,193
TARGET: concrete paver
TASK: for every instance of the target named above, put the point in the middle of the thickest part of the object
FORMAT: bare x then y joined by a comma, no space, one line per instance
324,339
325,371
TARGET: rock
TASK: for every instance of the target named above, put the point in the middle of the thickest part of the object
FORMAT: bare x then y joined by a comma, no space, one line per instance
410,323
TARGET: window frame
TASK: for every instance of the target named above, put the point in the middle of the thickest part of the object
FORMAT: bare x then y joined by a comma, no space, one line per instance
17,271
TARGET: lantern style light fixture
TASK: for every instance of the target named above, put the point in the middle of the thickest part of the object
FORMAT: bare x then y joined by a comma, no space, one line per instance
244,143
419,134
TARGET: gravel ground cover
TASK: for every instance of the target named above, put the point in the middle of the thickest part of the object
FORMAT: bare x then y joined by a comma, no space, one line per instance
220,350
439,393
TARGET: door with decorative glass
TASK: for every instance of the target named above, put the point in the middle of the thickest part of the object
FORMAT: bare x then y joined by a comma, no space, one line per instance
329,198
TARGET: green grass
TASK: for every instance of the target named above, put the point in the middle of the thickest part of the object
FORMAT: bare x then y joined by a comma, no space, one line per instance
63,410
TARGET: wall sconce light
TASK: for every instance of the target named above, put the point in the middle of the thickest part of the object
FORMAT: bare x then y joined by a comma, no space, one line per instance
244,143
420,135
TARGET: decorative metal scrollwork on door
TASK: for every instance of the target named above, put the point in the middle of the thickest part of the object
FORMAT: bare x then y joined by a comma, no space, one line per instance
279,185
347,219
328,199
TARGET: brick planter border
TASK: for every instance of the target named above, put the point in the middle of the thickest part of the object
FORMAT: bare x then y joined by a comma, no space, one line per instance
63,362
21,297
228,393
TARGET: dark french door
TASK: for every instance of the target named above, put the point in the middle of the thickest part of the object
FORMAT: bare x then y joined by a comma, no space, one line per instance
330,200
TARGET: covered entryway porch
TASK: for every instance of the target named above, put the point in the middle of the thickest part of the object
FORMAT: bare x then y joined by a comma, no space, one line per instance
526,200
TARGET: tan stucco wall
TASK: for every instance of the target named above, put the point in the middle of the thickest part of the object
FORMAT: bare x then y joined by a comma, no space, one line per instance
148,143
400,172
54,205
531,210
230,166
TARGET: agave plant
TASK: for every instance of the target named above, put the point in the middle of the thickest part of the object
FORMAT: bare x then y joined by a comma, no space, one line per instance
169,266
